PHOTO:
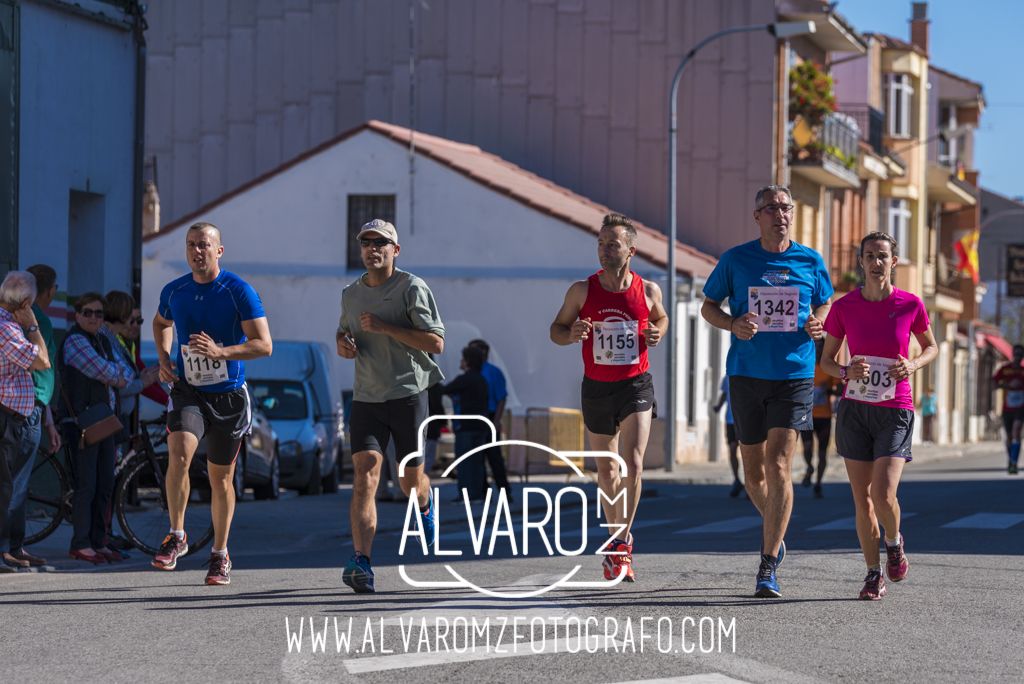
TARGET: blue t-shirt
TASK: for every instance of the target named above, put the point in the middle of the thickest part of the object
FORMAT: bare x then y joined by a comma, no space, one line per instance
496,385
728,400
771,355
216,308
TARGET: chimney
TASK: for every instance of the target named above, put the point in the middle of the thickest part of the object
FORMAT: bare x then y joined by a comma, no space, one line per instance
919,26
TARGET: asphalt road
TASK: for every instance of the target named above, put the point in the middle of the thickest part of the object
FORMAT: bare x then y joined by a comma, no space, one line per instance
959,615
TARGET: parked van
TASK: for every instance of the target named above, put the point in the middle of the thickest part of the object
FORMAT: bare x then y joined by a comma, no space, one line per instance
293,388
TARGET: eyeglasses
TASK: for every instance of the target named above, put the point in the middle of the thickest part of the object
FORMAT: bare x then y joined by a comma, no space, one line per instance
136,321
376,242
780,208
89,313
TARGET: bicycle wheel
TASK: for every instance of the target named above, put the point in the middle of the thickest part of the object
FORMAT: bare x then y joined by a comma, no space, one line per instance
141,507
49,498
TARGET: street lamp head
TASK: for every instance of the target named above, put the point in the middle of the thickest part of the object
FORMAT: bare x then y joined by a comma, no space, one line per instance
788,29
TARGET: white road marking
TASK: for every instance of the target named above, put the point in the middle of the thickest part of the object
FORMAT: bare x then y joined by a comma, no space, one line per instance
734,525
987,521
847,523
710,678
592,530
406,660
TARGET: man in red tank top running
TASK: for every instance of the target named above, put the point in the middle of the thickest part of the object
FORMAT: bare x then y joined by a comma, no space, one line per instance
616,315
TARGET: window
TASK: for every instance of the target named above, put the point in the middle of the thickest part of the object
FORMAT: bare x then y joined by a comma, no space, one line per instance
948,150
363,209
898,100
898,223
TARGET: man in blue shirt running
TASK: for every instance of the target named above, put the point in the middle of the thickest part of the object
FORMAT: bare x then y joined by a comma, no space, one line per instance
778,292
220,323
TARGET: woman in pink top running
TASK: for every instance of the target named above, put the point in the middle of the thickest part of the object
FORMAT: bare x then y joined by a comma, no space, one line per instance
875,418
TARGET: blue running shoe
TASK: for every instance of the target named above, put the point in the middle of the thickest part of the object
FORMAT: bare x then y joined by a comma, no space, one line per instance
358,575
767,587
428,516
782,552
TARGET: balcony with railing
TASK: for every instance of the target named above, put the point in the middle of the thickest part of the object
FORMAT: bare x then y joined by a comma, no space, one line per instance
825,153
870,121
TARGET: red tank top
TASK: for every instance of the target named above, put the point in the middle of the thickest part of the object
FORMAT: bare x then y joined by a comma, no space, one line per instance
615,349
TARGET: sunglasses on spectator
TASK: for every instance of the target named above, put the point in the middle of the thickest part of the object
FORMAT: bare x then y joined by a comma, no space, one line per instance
89,313
773,208
376,242
136,321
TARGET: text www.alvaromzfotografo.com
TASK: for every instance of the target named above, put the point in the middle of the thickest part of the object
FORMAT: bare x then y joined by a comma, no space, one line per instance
512,635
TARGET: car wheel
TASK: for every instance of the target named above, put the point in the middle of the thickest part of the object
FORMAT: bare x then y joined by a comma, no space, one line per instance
271,489
331,480
315,486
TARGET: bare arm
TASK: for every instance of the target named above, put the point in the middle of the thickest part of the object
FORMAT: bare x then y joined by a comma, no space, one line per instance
744,327
257,346
567,329
658,317
831,350
422,340
904,368
163,335
346,345
42,360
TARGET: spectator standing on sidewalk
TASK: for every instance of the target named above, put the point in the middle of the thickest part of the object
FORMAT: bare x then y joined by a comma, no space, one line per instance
730,436
497,394
471,390
12,537
129,339
20,355
928,411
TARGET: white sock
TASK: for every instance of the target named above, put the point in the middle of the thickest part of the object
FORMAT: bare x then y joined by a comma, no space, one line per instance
223,552
180,534
892,542
877,567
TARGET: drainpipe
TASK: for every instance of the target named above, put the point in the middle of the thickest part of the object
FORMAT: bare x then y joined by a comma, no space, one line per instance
137,11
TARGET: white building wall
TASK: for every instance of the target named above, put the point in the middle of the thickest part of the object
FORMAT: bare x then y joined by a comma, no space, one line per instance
77,124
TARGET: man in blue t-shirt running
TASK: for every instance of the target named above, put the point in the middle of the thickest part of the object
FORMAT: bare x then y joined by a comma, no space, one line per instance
220,323
778,292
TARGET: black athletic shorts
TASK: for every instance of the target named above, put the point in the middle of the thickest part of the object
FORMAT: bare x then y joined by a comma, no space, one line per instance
1010,417
730,432
224,418
372,425
760,405
866,432
606,404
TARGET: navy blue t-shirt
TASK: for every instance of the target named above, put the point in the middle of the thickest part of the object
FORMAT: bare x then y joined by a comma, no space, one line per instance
216,308
771,355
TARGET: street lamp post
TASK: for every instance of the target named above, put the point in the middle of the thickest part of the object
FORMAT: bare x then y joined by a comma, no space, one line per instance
779,30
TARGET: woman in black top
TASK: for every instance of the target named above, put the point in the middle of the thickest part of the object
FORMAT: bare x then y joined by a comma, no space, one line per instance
471,392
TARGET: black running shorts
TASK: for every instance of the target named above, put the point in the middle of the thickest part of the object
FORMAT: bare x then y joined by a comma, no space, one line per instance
373,425
1010,417
730,432
606,404
223,418
760,405
866,432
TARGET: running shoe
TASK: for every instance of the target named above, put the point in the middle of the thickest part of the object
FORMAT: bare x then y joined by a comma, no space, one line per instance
612,564
818,493
896,563
170,551
782,552
358,575
767,586
428,517
807,478
874,586
737,487
626,560
220,567
1011,469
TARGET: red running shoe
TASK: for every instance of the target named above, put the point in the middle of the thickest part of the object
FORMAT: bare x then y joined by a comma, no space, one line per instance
874,586
170,551
220,566
896,563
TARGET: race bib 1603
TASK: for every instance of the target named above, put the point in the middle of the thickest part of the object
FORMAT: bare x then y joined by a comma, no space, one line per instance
200,370
877,386
615,343
777,308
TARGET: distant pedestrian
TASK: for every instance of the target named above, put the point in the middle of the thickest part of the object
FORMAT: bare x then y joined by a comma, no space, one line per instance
730,437
128,337
471,390
497,394
435,407
22,351
825,390
928,410
1010,379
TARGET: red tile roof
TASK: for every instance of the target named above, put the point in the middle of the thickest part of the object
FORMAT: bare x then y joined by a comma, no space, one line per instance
501,176
893,43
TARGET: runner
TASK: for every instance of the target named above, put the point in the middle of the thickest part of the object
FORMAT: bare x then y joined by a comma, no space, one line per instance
617,316
730,437
875,417
389,324
220,323
821,415
772,285
1010,379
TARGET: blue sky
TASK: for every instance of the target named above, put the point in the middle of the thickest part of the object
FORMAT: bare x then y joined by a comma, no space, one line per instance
980,40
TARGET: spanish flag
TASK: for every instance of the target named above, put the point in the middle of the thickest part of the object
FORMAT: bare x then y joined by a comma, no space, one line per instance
967,250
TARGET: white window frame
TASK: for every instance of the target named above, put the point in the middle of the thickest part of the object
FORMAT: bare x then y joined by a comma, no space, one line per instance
899,91
898,223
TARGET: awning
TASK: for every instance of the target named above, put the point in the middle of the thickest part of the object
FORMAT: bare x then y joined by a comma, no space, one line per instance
1000,345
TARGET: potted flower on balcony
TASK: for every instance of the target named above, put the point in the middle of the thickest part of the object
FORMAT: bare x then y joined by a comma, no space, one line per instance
810,94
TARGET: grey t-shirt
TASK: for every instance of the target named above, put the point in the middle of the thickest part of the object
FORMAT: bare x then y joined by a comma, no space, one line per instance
385,368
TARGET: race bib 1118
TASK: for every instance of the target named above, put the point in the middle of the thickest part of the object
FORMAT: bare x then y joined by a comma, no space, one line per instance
777,308
200,370
877,386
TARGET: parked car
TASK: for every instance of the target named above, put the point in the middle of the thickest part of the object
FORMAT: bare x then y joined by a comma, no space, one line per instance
293,388
258,465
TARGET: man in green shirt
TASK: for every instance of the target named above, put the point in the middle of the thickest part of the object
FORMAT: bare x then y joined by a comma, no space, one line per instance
389,324
12,536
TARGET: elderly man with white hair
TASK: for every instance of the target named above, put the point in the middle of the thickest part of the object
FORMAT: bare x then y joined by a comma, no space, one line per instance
20,354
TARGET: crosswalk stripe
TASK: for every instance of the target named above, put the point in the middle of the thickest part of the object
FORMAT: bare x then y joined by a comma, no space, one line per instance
987,521
710,678
734,525
847,523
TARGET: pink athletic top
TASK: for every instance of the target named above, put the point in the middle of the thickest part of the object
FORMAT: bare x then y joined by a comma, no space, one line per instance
880,329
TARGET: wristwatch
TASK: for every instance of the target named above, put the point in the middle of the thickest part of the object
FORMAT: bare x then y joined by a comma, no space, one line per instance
842,373
32,329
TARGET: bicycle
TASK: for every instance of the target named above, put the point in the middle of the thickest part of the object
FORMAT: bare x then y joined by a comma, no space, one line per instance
140,493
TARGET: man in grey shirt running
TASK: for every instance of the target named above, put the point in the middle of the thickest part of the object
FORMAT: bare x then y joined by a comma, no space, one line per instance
389,323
